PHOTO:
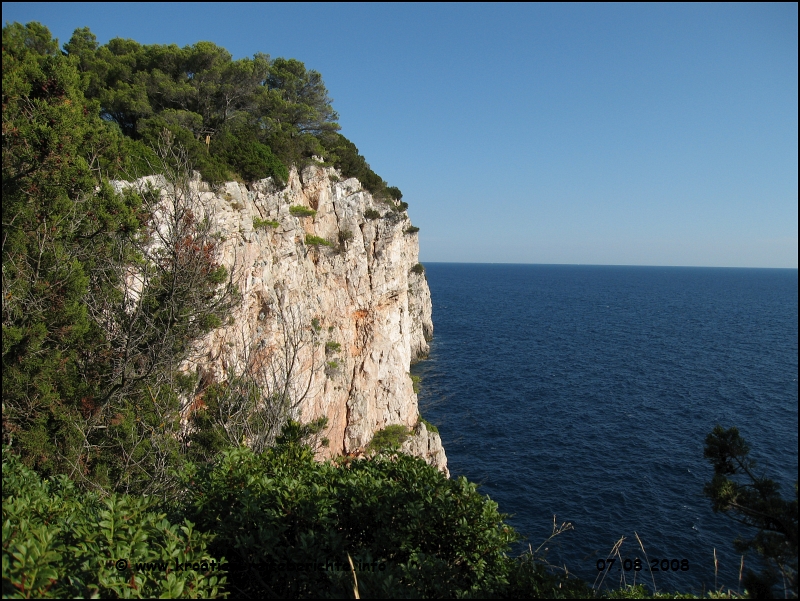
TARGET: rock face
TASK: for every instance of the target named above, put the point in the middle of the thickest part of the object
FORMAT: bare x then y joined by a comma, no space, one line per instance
355,312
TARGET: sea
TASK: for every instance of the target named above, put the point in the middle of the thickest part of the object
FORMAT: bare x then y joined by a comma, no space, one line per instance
582,396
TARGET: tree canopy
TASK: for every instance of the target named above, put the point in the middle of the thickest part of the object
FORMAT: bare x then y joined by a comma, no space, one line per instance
249,118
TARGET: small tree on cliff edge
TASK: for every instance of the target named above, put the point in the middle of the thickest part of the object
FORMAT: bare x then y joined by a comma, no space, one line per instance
754,501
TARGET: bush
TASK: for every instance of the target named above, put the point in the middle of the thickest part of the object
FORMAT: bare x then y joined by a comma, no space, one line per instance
429,425
372,214
301,211
419,269
316,241
60,543
388,438
332,347
344,237
415,380
394,193
410,531
264,223
332,368
412,229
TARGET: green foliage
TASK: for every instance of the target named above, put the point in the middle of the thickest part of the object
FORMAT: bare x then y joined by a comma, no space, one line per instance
419,269
415,380
264,223
411,229
257,114
249,157
316,241
432,536
88,373
332,347
372,214
60,543
345,157
429,425
394,193
301,211
62,224
344,237
754,501
332,368
388,438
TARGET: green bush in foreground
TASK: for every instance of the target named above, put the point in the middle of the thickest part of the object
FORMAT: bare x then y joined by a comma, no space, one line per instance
61,543
410,531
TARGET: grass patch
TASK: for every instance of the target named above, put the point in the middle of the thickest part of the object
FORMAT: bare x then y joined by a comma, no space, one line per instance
301,211
264,223
388,438
316,241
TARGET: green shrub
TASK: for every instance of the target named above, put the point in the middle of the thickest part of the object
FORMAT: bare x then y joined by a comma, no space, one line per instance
419,269
400,206
394,193
331,368
415,380
301,211
427,536
61,543
429,425
388,438
412,229
372,214
316,241
344,237
264,223
332,347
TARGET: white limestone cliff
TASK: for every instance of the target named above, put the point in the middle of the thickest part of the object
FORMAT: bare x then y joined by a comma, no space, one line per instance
365,315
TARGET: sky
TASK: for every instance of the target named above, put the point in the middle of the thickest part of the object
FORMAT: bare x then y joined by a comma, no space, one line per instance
607,134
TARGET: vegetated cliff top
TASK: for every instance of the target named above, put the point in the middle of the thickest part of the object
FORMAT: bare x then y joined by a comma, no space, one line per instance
243,119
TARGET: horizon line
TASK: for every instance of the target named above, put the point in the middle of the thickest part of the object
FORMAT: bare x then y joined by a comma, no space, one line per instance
603,265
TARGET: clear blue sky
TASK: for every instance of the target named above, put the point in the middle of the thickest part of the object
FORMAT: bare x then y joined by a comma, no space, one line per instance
597,134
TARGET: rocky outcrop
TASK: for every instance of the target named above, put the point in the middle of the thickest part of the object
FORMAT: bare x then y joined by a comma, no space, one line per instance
355,313
428,445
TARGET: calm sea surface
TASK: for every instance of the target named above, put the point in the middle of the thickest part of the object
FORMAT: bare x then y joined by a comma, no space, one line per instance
587,392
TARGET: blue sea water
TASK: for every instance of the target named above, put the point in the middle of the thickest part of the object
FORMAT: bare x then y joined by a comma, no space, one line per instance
586,392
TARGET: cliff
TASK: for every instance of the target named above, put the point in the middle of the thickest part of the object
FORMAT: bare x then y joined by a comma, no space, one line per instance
339,324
